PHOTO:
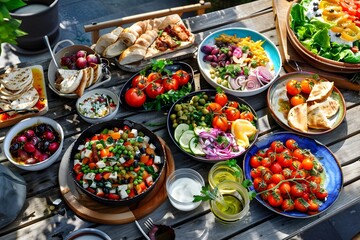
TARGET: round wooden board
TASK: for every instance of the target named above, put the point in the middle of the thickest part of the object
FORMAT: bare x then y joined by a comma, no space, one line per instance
93,211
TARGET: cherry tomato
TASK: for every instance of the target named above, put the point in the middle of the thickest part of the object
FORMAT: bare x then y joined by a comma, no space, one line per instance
155,77
286,172
135,97
291,144
275,199
301,205
293,87
285,189
307,164
259,184
307,85
232,114
297,100
182,76
284,159
221,98
140,82
261,153
288,205
170,84
255,161
220,122
154,89
314,187
271,187
277,146
271,154
276,178
296,190
233,104
321,194
267,177
298,174
275,168
313,205
214,107
247,115
255,172
266,162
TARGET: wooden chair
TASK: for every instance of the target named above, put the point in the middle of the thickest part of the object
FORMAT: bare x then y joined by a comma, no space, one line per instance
95,28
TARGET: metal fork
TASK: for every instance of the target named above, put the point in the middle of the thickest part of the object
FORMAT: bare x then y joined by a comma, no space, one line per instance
141,230
149,223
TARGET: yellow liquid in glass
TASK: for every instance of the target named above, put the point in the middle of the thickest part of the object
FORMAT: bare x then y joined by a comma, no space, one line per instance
230,205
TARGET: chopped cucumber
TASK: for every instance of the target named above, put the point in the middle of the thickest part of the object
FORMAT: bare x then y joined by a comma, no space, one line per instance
195,147
185,138
179,130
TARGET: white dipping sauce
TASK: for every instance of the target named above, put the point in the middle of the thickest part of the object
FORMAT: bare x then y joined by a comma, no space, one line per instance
31,8
183,191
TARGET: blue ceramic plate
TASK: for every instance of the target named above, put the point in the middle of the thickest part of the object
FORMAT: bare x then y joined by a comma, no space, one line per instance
334,177
271,51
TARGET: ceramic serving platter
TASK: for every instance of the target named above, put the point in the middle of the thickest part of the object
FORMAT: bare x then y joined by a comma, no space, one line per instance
279,105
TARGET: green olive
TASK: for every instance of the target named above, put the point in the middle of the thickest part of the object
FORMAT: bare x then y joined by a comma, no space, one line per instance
195,98
177,107
205,111
202,101
173,116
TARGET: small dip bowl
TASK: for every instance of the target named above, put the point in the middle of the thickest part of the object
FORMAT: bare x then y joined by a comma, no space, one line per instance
222,171
181,186
98,105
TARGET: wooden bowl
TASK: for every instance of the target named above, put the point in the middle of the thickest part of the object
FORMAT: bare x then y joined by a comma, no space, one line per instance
317,61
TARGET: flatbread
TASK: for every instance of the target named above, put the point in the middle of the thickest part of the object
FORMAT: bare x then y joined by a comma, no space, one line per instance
26,100
68,80
17,78
329,107
316,118
321,91
297,117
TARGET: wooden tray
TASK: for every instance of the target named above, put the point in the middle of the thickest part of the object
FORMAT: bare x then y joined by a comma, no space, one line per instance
292,61
42,104
93,211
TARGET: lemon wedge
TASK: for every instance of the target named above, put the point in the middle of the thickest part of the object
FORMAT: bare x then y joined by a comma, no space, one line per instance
242,129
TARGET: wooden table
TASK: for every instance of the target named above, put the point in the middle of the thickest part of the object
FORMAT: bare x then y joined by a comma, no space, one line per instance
40,219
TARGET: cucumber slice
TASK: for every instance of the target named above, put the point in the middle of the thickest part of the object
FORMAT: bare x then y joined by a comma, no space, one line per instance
195,147
200,129
179,130
185,138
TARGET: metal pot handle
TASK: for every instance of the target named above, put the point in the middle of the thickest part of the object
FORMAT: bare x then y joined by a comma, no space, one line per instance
61,42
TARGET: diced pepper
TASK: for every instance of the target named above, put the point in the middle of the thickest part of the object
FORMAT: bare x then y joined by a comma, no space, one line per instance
77,168
144,158
79,176
98,177
115,135
85,161
149,151
129,162
149,162
92,165
127,143
104,153
106,175
131,193
91,190
137,169
145,174
113,196
140,187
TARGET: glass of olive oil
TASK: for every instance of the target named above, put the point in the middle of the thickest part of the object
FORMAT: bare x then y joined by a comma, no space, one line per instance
232,202
222,171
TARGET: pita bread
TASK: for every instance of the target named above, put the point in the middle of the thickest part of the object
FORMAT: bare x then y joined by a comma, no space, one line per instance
90,78
320,91
26,100
68,80
17,78
86,77
316,118
297,117
329,107
98,74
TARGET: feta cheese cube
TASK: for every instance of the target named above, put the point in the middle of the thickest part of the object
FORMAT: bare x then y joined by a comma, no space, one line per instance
122,160
89,176
122,187
85,184
123,194
146,139
113,175
157,159
100,164
134,131
112,191
87,153
156,169
93,184
112,163
81,147
77,161
152,146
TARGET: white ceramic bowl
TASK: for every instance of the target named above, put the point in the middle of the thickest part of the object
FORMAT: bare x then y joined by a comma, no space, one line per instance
269,47
91,93
27,123
181,185
88,233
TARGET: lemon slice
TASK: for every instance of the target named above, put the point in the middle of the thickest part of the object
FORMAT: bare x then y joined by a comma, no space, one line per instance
242,129
179,130
185,138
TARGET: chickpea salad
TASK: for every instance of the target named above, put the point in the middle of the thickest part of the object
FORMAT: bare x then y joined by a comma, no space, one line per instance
97,106
116,164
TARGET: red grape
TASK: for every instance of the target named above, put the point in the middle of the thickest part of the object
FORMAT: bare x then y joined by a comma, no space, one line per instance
92,59
53,147
81,62
81,53
49,136
29,147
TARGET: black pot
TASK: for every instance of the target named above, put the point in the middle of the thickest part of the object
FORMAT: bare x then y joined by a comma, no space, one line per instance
38,24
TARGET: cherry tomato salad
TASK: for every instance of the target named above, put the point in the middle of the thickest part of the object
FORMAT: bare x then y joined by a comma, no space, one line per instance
238,63
157,86
288,177
209,126
97,106
117,163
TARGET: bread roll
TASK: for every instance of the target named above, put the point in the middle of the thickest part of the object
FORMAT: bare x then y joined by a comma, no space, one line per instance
106,40
137,51
114,49
132,33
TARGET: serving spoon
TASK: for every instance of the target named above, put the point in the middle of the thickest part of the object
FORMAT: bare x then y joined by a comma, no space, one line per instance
51,52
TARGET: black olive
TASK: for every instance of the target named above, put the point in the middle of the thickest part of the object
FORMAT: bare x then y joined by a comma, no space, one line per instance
136,163
315,8
126,157
337,34
106,190
100,184
315,3
142,150
40,129
318,15
137,156
125,181
152,156
14,147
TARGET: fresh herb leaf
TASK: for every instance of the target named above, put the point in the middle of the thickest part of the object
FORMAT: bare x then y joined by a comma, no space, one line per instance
207,194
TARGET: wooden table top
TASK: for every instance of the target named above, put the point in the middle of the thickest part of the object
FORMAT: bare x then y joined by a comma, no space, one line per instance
41,219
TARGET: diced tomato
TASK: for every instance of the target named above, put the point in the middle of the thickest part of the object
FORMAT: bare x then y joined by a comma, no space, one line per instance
79,176
92,165
77,168
91,190
132,193
100,194
137,169
98,177
115,135
127,144
112,196
106,175
85,161
129,162
126,129
131,135
94,138
104,153
140,187
144,158
149,162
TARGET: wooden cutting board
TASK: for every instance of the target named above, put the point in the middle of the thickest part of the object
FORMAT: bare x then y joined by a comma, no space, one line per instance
292,61
93,211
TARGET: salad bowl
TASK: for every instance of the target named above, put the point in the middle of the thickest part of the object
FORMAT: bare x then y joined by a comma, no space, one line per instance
250,73
334,55
130,165
190,135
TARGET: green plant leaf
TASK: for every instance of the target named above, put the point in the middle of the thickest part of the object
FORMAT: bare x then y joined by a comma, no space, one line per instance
13,4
